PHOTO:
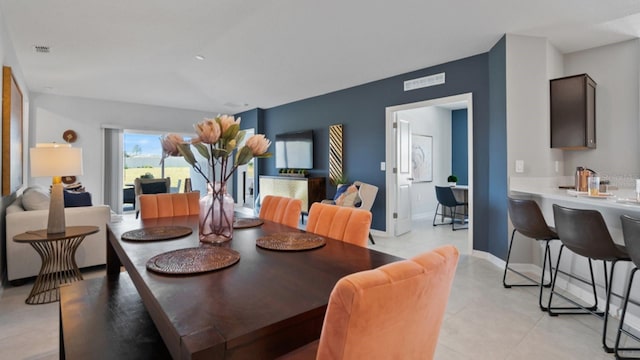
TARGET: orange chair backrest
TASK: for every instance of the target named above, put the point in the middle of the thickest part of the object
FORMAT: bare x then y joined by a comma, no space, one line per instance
392,312
281,209
168,205
341,223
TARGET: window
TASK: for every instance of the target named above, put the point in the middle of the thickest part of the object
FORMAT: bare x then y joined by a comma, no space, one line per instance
142,158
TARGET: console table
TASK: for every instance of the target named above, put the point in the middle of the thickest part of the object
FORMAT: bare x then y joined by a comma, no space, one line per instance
58,254
309,190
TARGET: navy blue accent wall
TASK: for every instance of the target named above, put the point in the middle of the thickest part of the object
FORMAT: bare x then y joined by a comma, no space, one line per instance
459,146
361,110
496,204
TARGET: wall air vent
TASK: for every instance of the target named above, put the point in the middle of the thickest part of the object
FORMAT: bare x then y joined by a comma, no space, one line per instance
422,82
42,49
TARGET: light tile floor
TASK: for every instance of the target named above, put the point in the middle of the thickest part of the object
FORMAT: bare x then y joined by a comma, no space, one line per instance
483,320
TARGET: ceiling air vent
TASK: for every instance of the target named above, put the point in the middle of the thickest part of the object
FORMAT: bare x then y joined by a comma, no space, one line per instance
42,49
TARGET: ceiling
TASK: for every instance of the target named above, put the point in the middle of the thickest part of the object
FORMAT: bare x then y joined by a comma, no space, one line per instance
264,53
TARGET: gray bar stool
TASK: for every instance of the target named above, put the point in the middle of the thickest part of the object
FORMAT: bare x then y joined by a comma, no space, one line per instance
527,219
585,233
631,233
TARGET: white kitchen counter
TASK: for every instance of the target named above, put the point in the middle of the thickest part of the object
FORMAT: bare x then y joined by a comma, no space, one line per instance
622,199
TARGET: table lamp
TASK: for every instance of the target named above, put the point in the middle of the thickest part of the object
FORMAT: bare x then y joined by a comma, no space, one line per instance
56,160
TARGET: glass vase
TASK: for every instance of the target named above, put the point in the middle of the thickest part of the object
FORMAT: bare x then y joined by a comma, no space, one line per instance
216,215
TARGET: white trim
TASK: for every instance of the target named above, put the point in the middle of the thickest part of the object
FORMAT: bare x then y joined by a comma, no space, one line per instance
390,151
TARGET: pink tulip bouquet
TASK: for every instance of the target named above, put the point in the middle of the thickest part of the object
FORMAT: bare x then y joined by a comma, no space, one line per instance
217,139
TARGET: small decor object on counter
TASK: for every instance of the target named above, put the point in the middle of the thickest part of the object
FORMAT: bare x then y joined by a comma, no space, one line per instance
452,180
593,185
216,141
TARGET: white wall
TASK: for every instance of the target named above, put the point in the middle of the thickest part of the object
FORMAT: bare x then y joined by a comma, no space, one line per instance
8,58
531,62
51,115
436,122
615,68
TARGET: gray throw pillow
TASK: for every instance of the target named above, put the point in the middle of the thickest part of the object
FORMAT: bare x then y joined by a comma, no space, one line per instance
34,198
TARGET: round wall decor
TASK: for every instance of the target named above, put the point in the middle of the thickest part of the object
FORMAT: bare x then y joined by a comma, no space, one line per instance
69,136
68,179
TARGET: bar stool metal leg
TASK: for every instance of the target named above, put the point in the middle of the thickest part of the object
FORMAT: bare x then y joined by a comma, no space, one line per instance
608,286
569,310
541,284
621,329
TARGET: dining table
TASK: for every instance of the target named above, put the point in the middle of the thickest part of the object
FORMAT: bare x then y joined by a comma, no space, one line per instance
261,306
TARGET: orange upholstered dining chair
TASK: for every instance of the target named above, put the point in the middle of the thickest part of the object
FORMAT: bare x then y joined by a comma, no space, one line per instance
281,209
168,205
392,312
341,223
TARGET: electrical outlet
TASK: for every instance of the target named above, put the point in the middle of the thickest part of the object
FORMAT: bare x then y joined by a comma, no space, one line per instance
519,166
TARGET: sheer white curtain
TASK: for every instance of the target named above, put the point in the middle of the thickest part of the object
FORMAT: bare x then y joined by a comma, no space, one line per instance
113,167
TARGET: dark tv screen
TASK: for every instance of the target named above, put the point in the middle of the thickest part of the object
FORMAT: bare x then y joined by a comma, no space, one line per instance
294,150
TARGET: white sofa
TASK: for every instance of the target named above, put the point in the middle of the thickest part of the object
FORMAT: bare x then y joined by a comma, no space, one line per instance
23,261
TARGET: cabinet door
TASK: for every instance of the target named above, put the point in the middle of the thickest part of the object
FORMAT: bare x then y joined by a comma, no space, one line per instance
572,102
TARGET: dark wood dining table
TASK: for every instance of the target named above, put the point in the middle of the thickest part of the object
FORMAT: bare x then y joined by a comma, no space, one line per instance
267,304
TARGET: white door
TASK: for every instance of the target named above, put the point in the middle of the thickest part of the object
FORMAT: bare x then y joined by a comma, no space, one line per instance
245,177
402,215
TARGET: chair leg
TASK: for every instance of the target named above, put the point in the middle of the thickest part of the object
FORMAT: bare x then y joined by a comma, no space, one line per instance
608,287
453,220
621,330
371,239
507,268
566,310
545,260
436,214
443,209
541,284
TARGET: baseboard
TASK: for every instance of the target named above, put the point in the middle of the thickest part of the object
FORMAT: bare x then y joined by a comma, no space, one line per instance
562,283
489,257
379,233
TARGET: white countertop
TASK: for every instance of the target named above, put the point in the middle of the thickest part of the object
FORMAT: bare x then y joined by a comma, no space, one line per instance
621,199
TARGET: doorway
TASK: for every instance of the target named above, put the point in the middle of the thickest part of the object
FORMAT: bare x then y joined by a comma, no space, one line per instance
393,205
245,178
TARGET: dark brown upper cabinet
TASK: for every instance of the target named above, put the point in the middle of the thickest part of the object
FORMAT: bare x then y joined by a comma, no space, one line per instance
573,112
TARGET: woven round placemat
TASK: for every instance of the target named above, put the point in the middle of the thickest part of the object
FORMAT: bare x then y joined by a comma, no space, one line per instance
157,233
291,241
193,260
243,223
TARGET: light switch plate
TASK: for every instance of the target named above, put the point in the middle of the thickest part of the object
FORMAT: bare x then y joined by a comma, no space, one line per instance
519,166
383,166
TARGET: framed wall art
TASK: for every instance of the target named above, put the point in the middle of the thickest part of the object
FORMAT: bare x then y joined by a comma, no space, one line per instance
422,158
12,133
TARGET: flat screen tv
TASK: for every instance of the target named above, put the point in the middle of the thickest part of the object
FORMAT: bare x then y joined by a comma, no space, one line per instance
294,150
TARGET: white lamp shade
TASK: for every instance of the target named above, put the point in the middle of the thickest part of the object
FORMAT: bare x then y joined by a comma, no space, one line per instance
55,160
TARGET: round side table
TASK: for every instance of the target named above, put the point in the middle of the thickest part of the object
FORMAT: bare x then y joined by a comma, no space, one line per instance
58,254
